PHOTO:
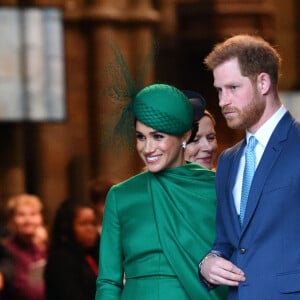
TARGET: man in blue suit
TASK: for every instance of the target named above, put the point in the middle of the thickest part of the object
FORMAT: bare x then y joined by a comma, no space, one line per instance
257,256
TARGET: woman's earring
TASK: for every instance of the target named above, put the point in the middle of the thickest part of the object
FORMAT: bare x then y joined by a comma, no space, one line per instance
183,145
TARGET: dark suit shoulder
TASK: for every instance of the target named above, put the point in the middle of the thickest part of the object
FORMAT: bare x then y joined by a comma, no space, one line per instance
232,151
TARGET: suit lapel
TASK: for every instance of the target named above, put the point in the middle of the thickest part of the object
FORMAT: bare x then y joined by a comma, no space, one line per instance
269,158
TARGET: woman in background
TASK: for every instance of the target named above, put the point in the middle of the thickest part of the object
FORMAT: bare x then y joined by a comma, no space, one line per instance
71,270
24,212
203,148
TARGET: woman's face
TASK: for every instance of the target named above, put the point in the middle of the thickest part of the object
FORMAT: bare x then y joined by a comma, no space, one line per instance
85,227
158,150
26,219
203,149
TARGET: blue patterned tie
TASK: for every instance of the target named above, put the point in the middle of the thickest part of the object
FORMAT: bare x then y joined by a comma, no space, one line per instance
248,175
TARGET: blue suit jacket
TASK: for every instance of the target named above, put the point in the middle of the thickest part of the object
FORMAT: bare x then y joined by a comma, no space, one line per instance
267,247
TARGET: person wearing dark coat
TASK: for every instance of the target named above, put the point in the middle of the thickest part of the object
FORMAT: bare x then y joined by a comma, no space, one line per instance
71,270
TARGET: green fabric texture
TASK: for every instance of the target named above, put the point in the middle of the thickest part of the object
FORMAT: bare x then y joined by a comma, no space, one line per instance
156,229
164,108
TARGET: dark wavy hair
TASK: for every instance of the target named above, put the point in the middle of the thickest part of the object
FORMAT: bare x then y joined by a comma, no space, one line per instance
63,230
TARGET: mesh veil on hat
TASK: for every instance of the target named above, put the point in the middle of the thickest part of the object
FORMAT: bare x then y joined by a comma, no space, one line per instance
160,106
164,108
198,103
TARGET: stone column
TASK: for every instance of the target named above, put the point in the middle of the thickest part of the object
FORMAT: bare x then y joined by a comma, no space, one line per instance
61,166
12,160
129,24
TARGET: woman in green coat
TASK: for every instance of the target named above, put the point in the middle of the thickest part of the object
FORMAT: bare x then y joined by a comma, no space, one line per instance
159,224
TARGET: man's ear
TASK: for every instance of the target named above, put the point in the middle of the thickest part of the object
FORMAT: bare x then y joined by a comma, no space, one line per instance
263,83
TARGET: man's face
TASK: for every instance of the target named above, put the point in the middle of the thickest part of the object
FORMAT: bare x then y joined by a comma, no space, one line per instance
241,104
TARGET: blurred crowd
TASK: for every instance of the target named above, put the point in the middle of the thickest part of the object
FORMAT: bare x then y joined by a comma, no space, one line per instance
61,262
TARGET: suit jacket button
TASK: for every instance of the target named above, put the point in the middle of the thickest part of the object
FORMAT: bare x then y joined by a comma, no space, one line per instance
242,250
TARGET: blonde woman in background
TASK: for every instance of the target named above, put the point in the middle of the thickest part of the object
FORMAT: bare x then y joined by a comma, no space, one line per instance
24,217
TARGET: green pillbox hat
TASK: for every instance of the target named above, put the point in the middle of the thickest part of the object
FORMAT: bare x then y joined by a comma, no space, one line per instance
164,108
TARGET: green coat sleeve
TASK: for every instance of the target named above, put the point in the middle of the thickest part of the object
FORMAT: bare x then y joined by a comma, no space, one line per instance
110,279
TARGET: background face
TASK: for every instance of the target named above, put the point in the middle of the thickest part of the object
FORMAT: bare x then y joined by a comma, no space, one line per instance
203,149
85,227
26,219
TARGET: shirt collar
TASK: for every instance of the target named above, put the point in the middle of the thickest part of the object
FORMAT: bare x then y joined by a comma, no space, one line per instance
263,134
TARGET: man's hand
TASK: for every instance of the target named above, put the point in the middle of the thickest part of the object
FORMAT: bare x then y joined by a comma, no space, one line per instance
219,271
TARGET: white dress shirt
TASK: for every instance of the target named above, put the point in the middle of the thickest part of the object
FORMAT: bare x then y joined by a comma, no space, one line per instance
262,135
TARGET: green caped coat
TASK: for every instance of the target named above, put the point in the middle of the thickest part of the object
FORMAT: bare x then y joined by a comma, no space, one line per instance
156,229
